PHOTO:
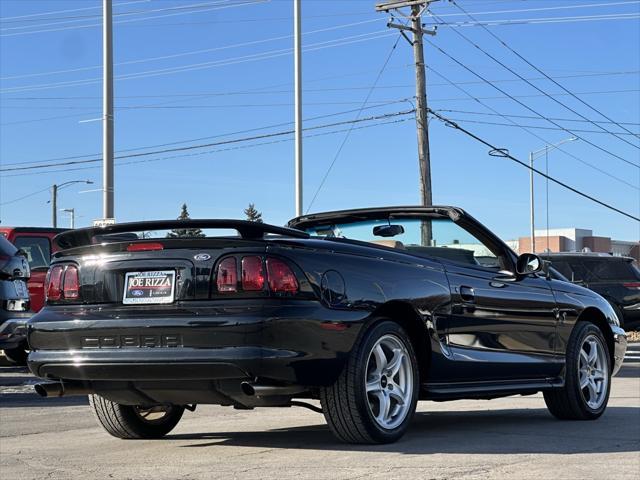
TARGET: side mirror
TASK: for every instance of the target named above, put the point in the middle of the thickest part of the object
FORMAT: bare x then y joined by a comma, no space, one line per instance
529,263
388,230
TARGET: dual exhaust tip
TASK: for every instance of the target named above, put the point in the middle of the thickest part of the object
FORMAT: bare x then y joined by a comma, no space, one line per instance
60,389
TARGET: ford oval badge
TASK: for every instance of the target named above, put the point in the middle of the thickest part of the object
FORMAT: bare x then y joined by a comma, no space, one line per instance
201,257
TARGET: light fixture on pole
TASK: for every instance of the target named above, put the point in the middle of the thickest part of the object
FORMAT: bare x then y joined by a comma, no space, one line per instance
54,198
72,216
532,156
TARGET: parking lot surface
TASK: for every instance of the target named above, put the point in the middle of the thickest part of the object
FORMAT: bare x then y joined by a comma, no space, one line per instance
512,438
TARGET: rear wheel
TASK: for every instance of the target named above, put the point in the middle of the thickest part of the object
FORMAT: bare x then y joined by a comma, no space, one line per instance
135,422
588,377
375,396
17,356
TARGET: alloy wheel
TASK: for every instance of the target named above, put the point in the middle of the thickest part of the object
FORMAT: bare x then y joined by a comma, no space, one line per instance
593,369
389,381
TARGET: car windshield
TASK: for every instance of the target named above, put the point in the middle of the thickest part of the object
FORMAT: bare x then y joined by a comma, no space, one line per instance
438,237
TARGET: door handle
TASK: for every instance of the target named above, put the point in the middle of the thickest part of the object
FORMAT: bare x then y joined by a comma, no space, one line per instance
467,295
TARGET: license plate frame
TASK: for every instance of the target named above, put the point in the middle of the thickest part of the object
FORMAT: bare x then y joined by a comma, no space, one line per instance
149,287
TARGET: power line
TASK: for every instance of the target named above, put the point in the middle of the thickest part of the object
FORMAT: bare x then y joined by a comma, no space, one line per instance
448,99
224,142
532,117
502,152
528,130
558,84
539,21
307,90
539,127
352,39
234,147
75,27
25,196
191,52
531,109
346,137
210,137
55,12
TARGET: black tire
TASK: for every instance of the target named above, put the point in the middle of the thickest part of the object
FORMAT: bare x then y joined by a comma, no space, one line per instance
346,403
568,402
125,421
17,356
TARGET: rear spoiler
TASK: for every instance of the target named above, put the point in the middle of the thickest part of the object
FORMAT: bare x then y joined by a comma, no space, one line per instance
247,230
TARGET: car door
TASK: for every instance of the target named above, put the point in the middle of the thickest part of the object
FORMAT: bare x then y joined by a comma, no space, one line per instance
502,327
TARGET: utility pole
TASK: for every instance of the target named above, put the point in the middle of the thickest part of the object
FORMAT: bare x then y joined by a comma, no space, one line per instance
297,61
418,7
532,156
54,205
107,111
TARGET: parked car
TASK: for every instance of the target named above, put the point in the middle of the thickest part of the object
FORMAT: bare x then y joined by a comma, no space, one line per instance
366,310
617,279
14,302
35,242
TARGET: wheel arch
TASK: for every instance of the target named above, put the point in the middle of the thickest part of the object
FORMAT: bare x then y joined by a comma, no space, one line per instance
598,318
406,316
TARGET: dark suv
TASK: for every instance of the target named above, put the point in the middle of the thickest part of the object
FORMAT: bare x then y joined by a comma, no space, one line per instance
617,279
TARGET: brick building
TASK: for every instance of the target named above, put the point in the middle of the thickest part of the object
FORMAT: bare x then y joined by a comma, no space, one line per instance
576,240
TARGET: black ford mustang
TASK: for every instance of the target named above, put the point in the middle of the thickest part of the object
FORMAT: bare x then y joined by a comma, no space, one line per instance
367,310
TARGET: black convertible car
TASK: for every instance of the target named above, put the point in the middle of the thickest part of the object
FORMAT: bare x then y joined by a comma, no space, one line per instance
367,310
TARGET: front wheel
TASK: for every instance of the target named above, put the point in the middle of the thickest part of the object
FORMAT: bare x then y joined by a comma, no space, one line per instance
587,377
375,396
135,422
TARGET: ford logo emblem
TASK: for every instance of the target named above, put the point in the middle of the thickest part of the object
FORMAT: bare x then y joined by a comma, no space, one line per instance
202,257
137,293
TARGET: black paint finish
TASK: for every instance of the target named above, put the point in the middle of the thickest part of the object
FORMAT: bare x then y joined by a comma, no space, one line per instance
478,333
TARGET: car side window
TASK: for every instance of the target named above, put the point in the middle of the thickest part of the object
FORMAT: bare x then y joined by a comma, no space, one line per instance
37,249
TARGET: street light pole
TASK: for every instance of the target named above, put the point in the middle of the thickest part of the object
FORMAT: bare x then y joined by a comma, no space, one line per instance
54,198
532,156
72,212
107,111
297,81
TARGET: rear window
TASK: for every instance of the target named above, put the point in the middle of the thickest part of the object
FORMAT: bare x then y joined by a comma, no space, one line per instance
593,270
37,249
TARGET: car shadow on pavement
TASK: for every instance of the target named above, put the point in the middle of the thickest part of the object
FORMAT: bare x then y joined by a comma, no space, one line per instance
528,431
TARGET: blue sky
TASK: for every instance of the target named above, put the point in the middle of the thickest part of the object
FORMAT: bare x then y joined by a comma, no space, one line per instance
206,70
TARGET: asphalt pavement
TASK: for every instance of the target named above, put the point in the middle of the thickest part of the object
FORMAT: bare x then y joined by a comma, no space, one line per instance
513,438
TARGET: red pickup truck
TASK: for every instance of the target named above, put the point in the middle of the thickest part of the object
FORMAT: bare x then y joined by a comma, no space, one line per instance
36,243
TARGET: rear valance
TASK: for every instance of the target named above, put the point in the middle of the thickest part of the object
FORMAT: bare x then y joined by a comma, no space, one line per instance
247,230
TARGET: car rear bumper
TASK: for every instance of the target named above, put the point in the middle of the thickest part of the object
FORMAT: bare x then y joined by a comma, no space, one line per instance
284,342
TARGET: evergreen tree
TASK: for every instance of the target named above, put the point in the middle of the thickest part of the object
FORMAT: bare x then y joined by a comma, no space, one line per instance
185,232
252,214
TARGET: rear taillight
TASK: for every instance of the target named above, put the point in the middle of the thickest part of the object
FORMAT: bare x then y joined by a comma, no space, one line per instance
71,283
227,276
54,283
281,277
63,283
252,273
635,285
256,273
